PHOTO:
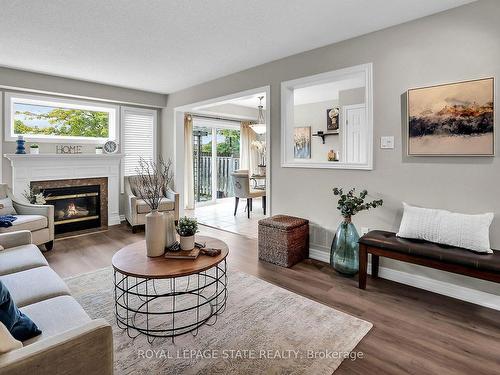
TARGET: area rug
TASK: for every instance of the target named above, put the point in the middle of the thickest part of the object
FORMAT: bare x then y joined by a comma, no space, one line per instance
264,330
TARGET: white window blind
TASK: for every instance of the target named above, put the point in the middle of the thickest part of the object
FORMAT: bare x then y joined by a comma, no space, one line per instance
139,137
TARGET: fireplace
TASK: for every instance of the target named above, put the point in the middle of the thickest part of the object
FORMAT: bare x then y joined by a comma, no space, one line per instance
79,204
75,208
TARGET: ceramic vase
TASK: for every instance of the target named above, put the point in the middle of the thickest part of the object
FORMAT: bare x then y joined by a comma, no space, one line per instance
187,242
344,256
155,234
20,145
34,151
170,233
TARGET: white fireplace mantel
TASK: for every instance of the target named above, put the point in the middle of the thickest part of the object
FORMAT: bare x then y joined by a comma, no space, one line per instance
43,167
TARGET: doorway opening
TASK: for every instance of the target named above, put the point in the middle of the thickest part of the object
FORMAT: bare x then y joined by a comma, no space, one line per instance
228,183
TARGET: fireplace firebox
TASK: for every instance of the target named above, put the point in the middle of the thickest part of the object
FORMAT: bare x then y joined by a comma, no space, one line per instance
75,208
80,205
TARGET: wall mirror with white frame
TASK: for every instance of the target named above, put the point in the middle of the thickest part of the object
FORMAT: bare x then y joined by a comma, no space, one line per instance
327,120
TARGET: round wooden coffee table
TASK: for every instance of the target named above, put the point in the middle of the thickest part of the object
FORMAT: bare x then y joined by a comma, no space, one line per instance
162,297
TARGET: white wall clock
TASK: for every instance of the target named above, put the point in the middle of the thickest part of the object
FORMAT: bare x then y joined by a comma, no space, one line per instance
110,147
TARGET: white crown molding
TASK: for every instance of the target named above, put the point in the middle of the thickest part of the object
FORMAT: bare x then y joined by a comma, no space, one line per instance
41,157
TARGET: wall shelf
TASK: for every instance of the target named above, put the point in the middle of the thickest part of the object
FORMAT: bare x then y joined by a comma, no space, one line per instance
323,135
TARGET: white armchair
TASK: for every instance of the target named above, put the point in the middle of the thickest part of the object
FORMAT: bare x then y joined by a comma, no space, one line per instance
136,208
38,219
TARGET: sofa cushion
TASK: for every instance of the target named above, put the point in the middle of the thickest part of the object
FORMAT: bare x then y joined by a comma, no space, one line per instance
20,258
18,324
7,342
34,285
27,222
55,315
6,206
165,205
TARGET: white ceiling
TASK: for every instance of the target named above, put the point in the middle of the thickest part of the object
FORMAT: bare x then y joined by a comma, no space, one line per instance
164,46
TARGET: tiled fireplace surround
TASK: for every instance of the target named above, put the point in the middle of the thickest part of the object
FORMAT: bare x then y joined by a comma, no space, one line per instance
51,170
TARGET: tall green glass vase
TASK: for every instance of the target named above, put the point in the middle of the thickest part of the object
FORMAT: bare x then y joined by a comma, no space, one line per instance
344,256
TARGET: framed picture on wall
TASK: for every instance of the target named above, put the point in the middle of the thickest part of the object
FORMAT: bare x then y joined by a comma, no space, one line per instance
332,118
455,119
302,142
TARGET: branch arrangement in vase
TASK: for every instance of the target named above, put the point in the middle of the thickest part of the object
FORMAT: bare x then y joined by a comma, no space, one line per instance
153,180
349,204
34,196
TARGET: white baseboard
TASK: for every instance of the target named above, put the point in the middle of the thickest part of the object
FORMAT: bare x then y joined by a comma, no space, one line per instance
114,220
122,218
320,255
451,290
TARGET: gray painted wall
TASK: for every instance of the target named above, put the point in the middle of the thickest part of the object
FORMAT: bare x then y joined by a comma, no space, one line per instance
18,80
459,44
314,115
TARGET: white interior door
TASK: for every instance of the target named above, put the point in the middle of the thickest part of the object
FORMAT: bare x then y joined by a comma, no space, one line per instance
354,139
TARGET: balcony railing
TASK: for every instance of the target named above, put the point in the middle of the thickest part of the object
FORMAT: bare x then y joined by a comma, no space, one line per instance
202,168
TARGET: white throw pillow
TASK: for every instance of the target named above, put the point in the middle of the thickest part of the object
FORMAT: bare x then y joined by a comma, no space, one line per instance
7,342
6,207
448,228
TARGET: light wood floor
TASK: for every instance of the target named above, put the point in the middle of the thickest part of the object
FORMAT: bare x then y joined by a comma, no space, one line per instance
414,331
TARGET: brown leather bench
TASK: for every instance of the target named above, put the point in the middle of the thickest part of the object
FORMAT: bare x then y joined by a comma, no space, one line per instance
446,258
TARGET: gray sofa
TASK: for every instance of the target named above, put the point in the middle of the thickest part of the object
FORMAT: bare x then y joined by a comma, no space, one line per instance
71,342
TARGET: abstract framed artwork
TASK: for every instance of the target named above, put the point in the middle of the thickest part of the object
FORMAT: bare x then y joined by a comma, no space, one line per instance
302,142
455,119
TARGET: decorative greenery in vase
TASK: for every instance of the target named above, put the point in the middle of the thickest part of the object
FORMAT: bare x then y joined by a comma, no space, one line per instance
260,147
34,196
345,249
349,204
34,148
187,226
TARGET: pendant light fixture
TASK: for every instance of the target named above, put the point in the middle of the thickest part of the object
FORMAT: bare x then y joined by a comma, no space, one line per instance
260,126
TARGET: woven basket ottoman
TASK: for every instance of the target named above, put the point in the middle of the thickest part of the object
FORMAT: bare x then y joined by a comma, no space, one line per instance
283,240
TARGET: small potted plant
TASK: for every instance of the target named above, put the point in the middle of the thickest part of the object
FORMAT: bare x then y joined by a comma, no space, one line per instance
187,228
98,149
34,149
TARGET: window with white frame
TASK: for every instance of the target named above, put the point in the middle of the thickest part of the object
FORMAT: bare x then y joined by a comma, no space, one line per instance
138,137
47,119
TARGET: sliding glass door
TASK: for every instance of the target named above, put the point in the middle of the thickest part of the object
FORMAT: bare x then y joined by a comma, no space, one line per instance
216,154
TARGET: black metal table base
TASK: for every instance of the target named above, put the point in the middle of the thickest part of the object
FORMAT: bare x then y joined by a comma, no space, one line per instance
170,307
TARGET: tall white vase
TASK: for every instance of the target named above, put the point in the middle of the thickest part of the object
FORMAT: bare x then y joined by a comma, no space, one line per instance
170,233
155,234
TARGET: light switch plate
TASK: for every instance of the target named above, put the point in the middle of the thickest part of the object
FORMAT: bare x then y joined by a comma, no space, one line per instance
387,142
